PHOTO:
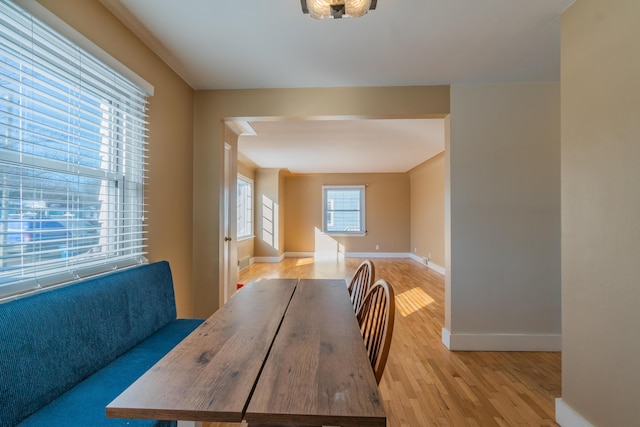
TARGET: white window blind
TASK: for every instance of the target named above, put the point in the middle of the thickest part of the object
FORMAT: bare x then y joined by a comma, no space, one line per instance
72,160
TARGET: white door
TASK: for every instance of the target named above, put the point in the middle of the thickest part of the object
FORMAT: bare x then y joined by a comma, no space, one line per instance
226,251
229,261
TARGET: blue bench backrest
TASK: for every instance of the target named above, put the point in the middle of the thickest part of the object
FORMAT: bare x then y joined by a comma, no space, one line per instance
52,340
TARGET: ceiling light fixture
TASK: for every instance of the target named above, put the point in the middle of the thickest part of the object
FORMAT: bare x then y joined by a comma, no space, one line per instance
335,9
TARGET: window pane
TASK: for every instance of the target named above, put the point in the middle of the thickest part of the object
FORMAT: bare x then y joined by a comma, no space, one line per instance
245,207
344,210
72,160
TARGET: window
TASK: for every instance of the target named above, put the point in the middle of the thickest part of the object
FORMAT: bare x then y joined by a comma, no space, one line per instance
245,207
343,209
72,160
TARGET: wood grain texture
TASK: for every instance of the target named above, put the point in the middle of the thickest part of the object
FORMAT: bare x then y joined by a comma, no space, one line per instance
210,374
424,384
318,372
376,318
360,283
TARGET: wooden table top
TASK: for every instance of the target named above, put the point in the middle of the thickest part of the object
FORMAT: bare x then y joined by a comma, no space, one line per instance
297,342
318,372
209,376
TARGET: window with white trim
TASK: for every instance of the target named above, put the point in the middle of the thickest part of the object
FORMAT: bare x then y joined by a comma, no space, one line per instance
245,207
343,209
72,160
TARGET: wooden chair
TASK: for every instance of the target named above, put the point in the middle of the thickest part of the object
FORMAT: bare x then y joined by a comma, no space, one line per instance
362,280
376,318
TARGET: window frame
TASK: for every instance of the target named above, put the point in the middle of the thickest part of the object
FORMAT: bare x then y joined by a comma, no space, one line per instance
328,214
123,180
250,209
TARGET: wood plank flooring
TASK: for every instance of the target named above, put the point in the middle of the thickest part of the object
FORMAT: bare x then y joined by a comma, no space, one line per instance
424,384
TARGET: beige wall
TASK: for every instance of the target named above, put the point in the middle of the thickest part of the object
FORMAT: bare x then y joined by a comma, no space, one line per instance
601,210
427,210
246,248
169,182
270,208
387,213
246,168
282,199
504,183
211,107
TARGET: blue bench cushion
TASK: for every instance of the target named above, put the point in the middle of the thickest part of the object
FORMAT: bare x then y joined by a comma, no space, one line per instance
52,340
84,405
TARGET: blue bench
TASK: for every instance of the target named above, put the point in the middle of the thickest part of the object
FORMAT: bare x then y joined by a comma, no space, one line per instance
68,352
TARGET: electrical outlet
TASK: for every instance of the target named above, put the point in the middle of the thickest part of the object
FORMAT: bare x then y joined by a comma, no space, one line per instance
415,250
377,247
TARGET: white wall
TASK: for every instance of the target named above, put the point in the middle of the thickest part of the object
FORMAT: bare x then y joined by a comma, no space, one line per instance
601,213
503,172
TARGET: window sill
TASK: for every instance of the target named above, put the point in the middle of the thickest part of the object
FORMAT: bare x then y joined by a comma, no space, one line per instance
242,239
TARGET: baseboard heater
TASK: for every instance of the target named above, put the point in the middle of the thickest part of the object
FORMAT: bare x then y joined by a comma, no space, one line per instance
244,262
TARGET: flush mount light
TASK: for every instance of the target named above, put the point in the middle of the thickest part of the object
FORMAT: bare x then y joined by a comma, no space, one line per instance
334,9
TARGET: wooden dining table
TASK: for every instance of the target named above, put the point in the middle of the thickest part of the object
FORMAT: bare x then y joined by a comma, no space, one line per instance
281,351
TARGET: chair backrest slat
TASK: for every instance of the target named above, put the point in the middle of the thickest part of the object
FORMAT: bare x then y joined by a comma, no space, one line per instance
360,283
376,317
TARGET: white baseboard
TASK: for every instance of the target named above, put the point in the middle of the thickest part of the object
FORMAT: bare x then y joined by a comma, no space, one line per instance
446,338
501,342
268,258
435,267
299,254
350,254
375,255
566,416
368,255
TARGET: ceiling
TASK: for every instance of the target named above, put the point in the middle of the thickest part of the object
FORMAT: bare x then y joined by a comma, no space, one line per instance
339,146
244,44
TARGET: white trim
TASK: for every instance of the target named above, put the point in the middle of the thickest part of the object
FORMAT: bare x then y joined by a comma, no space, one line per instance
49,18
431,265
566,416
437,268
240,127
446,338
268,258
300,254
501,342
363,221
348,255
376,255
394,255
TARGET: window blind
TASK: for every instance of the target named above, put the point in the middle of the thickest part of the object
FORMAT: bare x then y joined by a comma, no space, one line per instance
72,160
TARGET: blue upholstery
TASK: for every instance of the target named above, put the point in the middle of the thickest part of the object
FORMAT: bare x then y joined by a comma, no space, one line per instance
84,405
66,353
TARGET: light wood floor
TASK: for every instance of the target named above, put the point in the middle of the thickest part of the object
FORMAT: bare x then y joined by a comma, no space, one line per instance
424,384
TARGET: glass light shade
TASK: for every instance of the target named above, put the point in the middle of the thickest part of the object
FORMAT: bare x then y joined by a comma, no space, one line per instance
321,9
